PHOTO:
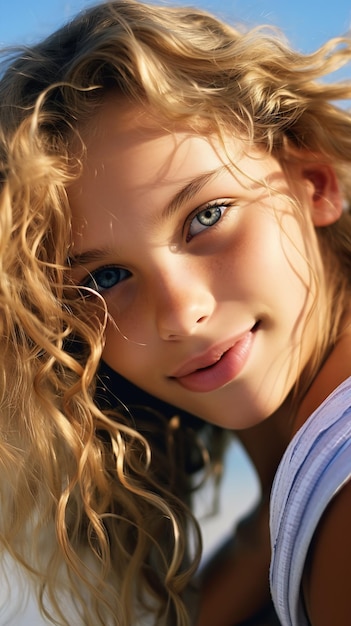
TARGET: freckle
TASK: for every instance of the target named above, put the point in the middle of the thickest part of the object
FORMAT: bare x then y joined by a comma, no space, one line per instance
80,229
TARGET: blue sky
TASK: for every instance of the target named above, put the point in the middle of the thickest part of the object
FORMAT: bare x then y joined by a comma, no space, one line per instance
307,23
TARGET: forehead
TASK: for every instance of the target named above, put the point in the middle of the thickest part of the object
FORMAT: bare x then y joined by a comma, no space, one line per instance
122,129
128,146
145,149
134,163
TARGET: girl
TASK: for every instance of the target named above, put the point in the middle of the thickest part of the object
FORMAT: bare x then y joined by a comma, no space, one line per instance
174,200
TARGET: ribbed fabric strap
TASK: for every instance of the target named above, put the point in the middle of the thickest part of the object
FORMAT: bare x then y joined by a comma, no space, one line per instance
316,464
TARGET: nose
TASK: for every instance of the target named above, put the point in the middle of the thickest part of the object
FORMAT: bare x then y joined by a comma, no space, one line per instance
184,301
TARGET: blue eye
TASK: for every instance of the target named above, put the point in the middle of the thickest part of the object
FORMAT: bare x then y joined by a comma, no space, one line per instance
206,218
105,278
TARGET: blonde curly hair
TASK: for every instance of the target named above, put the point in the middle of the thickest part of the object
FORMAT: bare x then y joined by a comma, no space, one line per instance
83,506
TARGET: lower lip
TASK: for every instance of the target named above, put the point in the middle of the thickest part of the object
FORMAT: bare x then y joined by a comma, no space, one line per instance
223,371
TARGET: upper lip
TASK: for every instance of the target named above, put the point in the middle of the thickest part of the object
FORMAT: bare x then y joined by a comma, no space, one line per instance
207,358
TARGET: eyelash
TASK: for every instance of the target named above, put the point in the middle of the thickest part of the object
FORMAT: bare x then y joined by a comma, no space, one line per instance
92,281
219,205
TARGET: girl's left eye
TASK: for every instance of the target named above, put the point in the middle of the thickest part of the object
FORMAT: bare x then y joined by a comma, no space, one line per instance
207,217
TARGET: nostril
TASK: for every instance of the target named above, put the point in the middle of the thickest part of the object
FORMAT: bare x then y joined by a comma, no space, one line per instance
201,319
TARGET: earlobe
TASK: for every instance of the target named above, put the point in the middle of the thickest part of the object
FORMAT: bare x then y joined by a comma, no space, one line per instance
325,194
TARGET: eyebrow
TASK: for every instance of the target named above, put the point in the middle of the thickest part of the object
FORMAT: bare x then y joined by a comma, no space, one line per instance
86,258
185,194
190,190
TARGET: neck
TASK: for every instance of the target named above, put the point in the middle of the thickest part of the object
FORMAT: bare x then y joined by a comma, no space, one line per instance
266,442
334,371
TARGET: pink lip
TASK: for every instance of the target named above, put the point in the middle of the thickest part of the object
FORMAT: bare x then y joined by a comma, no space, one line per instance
217,367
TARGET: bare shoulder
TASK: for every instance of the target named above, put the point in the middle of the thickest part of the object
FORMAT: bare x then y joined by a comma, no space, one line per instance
327,579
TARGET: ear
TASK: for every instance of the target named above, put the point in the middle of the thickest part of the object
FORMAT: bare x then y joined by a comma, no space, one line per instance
324,193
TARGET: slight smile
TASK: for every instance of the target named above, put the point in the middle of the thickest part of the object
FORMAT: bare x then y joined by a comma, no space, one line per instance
217,367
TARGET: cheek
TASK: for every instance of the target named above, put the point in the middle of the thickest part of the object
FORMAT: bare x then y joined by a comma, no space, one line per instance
268,262
299,255
119,351
126,307
127,346
252,258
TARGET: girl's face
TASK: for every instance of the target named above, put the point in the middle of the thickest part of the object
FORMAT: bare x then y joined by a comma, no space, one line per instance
203,269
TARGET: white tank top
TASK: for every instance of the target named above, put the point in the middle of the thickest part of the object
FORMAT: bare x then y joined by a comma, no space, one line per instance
316,464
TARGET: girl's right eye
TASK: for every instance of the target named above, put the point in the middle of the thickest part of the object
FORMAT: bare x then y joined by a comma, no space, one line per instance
105,278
